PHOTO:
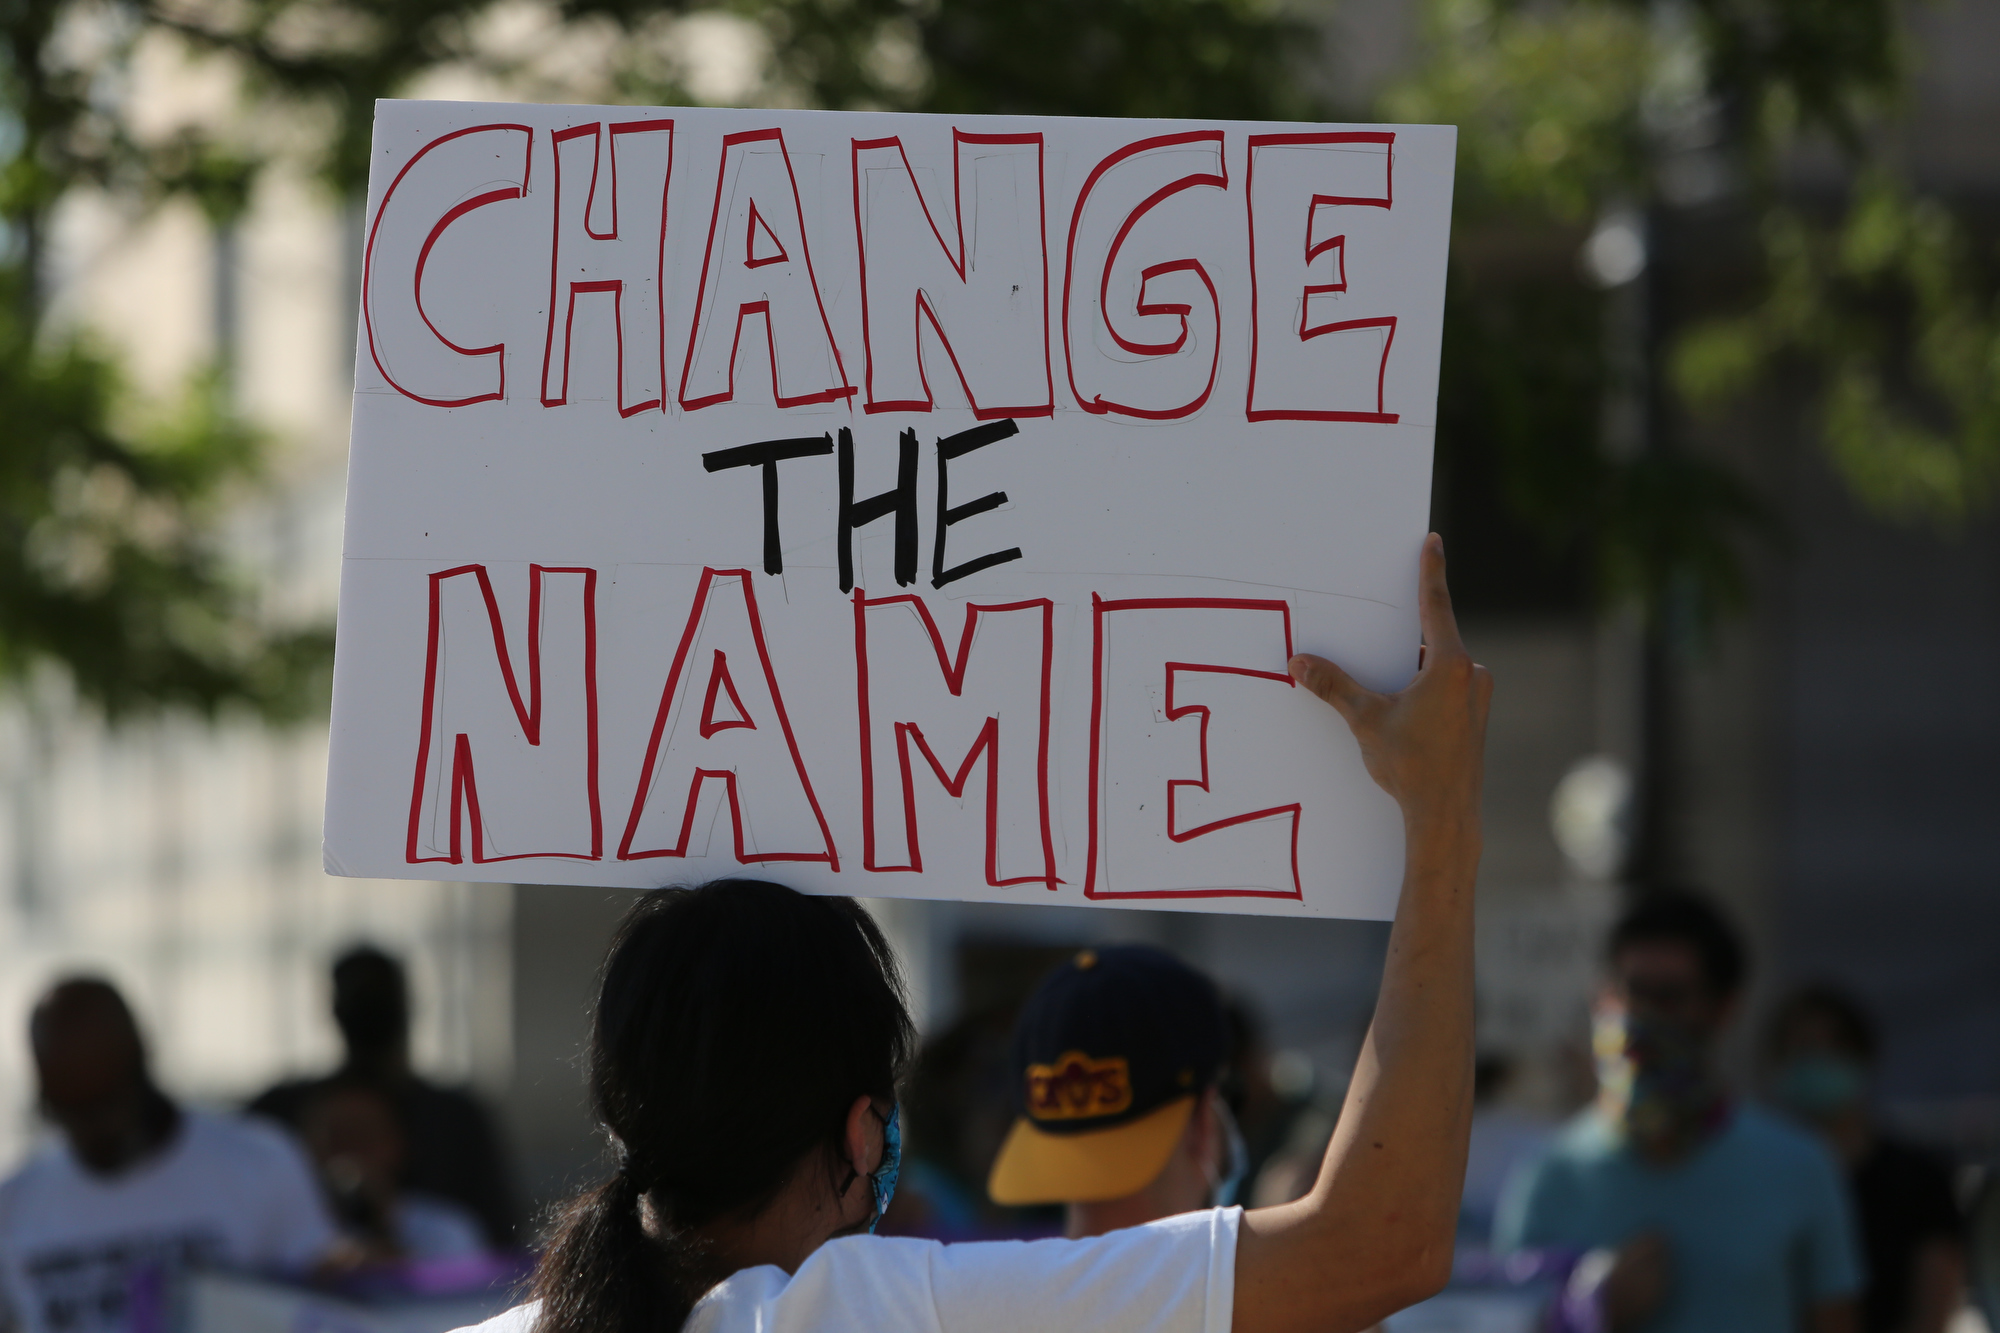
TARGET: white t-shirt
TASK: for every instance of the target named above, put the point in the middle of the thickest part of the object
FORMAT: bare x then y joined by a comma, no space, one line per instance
225,1192
1173,1276
433,1228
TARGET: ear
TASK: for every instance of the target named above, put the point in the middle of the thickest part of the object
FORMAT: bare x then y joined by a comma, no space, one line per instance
863,1137
1204,1129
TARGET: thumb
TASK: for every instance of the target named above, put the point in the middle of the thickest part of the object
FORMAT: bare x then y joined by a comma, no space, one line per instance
1329,682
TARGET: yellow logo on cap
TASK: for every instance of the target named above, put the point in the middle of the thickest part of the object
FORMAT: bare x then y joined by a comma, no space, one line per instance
1077,1087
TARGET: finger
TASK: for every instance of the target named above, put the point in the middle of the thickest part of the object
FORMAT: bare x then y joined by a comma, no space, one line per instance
1330,683
1434,614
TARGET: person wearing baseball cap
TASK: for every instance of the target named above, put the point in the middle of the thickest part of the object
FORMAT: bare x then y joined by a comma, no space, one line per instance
1116,1059
748,1041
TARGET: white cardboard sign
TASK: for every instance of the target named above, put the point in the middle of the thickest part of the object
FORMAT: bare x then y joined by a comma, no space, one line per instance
890,505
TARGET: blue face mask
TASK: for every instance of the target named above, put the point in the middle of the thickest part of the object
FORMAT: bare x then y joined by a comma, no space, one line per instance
1819,1086
882,1180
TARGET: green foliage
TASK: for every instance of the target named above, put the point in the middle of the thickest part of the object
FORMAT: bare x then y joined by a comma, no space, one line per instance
111,557
1902,331
1545,101
109,563
1523,387
1171,58
1570,108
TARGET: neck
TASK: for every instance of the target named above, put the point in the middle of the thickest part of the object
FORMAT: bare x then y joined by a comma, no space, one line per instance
1665,1138
144,1128
390,1063
1162,1198
805,1215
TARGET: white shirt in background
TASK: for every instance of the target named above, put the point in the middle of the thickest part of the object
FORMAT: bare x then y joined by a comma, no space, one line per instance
224,1192
1173,1276
428,1227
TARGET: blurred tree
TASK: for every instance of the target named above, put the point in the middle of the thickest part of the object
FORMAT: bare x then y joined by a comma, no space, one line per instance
1577,111
1667,125
111,565
1240,59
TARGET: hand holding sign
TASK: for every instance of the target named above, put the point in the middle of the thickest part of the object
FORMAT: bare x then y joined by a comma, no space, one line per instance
1425,743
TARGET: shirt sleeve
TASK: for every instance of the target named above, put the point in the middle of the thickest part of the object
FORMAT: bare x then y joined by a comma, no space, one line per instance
1531,1211
1177,1275
1831,1254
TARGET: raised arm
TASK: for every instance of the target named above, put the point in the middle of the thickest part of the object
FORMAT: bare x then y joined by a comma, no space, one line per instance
1375,1233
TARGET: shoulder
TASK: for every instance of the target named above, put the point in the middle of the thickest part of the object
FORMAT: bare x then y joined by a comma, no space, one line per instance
237,1133
1906,1161
21,1190
1764,1143
875,1282
445,1102
434,1228
1775,1139
243,1143
520,1319
282,1101
1582,1144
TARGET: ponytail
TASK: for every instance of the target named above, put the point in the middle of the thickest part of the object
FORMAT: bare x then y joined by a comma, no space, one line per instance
735,1024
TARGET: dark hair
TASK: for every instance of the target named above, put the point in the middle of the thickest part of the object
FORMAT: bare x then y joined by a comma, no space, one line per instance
1851,1025
371,998
736,1023
73,997
1682,917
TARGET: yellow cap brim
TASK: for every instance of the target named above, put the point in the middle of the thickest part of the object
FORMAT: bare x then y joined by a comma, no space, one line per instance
1036,1166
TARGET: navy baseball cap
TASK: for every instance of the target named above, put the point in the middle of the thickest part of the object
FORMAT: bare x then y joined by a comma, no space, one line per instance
1109,1055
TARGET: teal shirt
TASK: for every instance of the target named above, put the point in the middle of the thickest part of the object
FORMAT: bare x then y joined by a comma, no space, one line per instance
1757,1219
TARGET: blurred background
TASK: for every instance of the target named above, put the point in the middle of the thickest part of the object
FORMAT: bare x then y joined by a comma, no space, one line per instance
1719,444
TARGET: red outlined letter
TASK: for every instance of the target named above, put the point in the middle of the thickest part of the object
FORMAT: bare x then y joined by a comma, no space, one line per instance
589,254
742,276
538,765
993,291
773,813
1100,340
1306,362
1134,793
460,171
1008,707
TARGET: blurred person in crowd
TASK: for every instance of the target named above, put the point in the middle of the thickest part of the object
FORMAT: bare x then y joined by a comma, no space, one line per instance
1503,1137
955,1112
1118,1057
135,1187
452,1151
1820,1051
1702,1213
351,1127
1265,1113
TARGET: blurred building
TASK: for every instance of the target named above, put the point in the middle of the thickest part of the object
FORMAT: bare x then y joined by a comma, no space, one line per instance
182,859
1843,741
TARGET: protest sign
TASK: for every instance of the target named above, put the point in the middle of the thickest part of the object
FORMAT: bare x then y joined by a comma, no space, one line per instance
891,505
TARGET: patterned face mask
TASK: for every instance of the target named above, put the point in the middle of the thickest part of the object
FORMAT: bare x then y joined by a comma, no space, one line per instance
882,1180
1656,1074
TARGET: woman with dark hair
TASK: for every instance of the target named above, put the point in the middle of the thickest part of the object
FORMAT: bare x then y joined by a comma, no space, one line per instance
747,1046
